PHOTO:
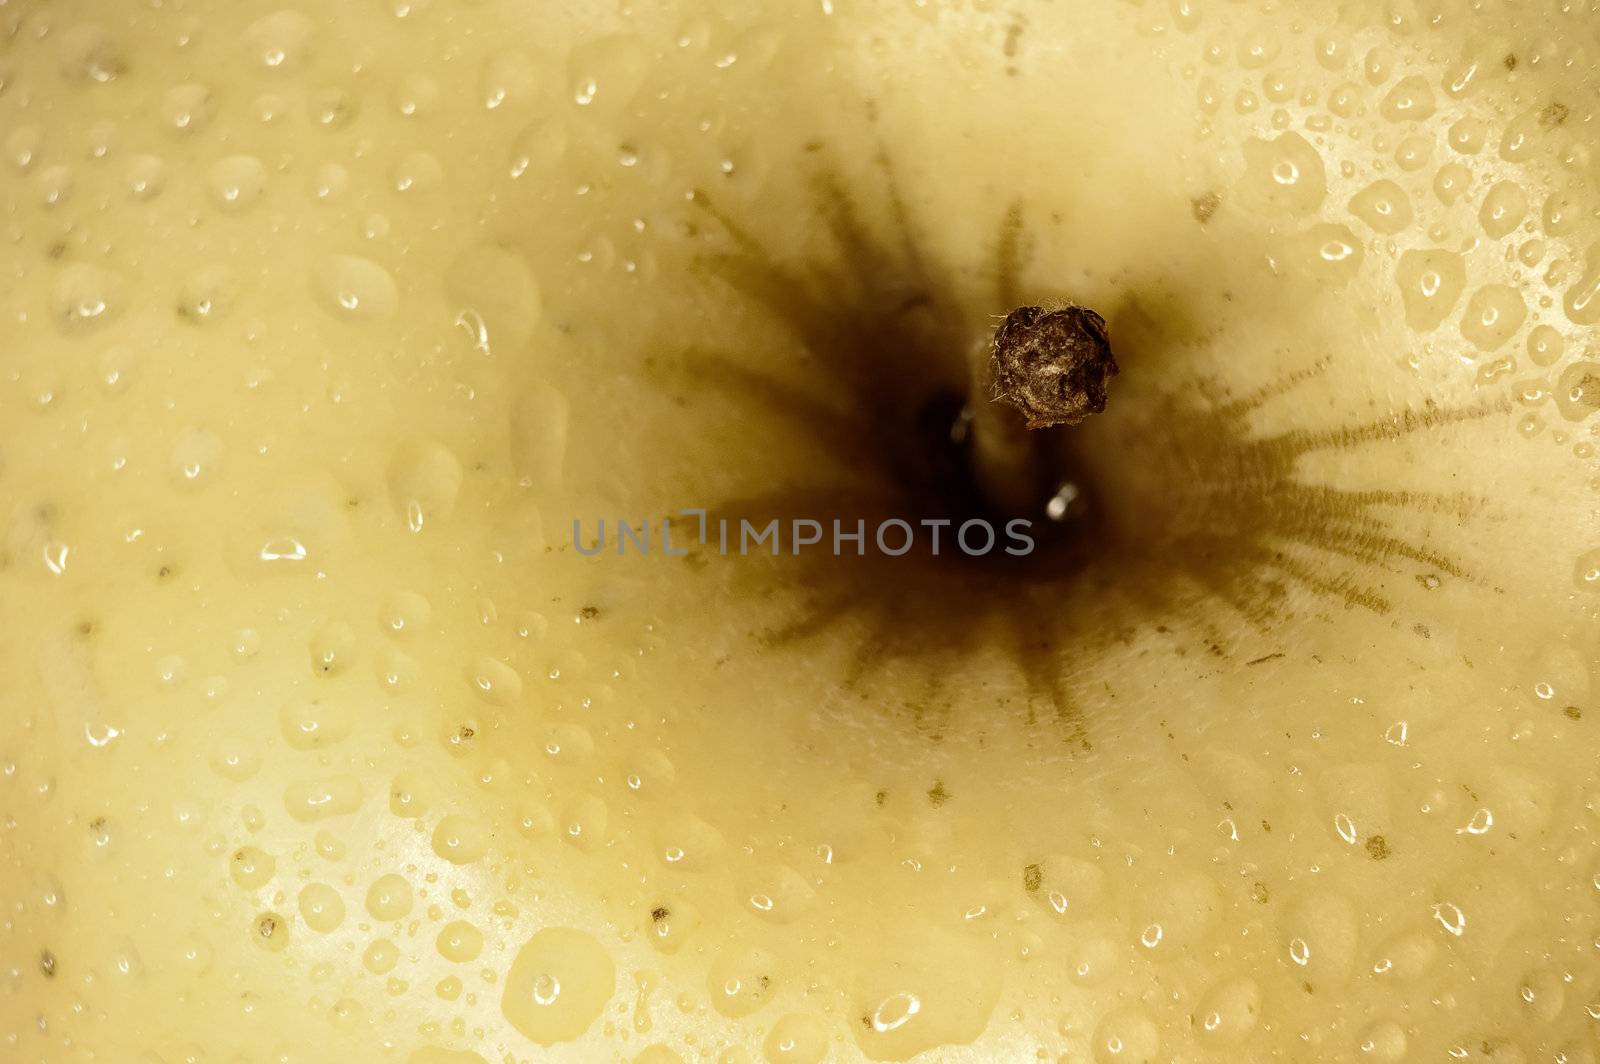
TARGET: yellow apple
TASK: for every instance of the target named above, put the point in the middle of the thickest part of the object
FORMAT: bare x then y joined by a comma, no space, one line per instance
333,332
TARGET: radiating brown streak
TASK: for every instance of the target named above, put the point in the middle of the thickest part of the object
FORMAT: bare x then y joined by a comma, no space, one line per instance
845,315
1011,254
1396,425
835,431
1236,409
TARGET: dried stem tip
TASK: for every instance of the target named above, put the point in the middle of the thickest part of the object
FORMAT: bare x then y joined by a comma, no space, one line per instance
1052,364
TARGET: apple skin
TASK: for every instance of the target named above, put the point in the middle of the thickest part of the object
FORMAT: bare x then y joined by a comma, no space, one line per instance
319,742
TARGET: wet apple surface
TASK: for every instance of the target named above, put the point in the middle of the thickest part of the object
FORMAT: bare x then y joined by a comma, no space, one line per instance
323,740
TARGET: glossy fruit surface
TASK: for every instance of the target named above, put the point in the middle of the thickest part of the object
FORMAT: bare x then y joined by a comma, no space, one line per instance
320,740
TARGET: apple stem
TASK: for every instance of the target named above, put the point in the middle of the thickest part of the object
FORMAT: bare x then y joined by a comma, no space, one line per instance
1043,368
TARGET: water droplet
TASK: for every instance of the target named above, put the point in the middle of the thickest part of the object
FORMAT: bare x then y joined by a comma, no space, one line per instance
84,297
1286,173
319,799
459,840
271,932
424,479
1384,206
1127,1036
1577,391
321,907
507,81
251,868
1468,135
389,897
281,41
558,985
1494,314
1411,100
314,723
796,1039
1430,283
1503,209
1586,571
500,288
1230,1011
1583,298
237,182
1451,182
1383,1041
459,942
1331,251
1450,917
354,288
1546,345
187,109
195,457
381,956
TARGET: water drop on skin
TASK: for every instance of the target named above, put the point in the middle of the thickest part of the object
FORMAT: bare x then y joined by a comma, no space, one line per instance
796,1039
1286,174
321,907
1230,1012
1330,252
381,956
237,182
187,109
196,457
1383,206
459,942
459,840
251,868
1577,391
424,478
558,985
1545,345
1493,315
390,897
280,43
1430,283
84,298
1503,209
355,289
1411,100
1127,1036
1586,571
1582,300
